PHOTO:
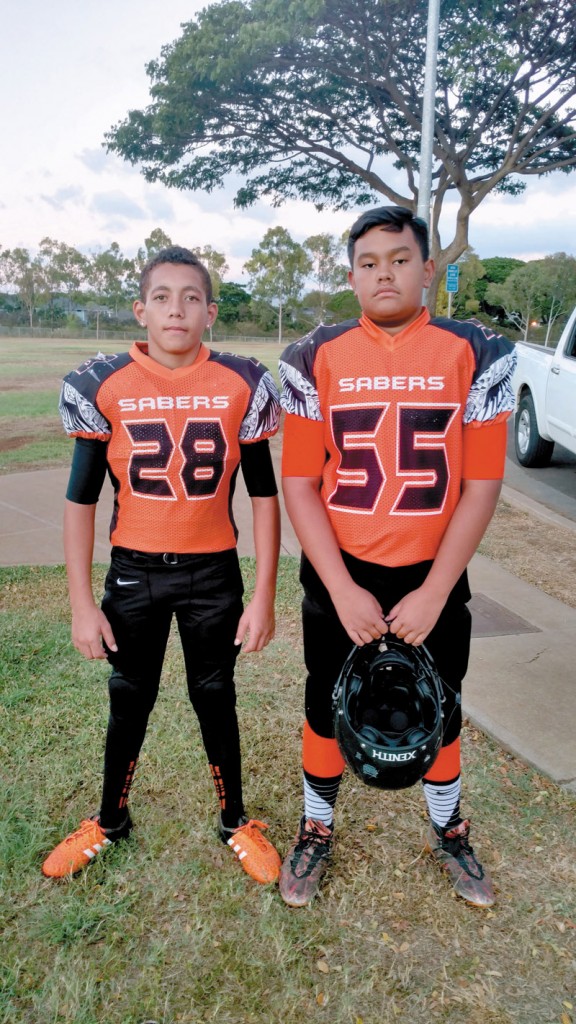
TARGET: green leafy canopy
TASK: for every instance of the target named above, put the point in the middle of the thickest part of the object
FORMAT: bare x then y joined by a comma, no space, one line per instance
321,100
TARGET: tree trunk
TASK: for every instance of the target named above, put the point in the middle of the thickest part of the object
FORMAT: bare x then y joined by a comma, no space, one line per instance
526,325
548,330
432,294
453,251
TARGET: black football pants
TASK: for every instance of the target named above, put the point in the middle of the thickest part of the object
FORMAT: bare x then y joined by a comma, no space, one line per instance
327,645
143,593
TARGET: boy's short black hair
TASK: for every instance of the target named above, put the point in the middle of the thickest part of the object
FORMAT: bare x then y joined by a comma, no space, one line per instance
176,254
391,218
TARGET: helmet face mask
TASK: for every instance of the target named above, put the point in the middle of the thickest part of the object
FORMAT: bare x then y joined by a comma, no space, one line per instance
388,713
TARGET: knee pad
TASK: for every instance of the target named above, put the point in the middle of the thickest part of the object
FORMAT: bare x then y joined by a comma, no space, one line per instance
130,696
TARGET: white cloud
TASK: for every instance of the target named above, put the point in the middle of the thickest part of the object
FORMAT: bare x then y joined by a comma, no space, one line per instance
118,204
537,223
160,207
96,160
78,68
62,196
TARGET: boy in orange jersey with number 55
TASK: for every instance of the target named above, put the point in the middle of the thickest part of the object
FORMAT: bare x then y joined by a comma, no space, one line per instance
394,447
171,422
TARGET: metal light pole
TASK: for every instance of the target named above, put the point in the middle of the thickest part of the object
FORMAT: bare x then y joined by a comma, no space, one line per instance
428,112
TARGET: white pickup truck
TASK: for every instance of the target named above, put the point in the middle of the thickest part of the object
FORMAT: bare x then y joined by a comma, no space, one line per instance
545,387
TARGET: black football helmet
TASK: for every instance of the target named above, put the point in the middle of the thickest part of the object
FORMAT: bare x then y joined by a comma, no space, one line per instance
388,713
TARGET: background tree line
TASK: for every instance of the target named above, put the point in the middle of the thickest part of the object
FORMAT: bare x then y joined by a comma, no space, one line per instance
59,285
291,287
60,282
523,299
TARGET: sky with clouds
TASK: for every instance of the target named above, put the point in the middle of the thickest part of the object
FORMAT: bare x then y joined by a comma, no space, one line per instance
73,68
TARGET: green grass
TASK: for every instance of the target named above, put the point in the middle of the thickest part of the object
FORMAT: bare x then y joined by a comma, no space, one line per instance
47,454
28,404
167,927
32,361
40,361
30,429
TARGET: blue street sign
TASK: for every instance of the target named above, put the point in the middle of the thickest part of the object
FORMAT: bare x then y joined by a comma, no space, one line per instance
452,271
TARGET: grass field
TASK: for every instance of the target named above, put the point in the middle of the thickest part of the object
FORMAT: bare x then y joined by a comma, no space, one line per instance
31,370
166,927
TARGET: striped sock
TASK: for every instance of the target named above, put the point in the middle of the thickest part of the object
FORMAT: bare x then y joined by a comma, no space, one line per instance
320,797
323,767
442,787
443,801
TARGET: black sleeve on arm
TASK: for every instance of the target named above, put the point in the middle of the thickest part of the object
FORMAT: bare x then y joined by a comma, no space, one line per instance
87,472
257,469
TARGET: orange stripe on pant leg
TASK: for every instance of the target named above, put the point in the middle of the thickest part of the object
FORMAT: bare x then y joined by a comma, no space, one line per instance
321,757
447,765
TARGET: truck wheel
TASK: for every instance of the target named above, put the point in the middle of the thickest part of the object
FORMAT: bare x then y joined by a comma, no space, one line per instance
531,449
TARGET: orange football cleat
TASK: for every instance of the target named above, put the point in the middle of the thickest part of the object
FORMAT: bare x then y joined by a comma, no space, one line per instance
257,856
81,846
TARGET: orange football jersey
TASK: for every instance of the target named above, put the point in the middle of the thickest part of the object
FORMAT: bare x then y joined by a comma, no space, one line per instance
173,440
384,421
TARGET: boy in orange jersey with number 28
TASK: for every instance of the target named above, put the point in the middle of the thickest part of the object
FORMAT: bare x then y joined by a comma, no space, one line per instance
171,421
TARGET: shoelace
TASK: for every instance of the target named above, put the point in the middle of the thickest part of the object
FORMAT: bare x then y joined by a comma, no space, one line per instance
319,844
458,846
85,826
456,843
313,837
252,828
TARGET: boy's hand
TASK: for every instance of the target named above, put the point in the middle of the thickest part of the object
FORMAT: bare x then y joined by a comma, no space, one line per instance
257,624
360,614
415,616
89,628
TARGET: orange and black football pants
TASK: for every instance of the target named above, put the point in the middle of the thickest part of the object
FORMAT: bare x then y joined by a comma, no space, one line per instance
142,595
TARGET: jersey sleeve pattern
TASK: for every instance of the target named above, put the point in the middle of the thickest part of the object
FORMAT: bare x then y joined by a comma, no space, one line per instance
80,418
491,394
78,410
262,416
296,366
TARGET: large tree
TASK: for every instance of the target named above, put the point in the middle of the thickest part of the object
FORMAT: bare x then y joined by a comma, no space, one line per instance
109,277
322,99
215,263
65,268
25,274
559,273
278,269
328,273
233,303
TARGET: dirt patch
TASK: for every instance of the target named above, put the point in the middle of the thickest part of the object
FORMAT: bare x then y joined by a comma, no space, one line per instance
534,550
24,432
10,444
43,384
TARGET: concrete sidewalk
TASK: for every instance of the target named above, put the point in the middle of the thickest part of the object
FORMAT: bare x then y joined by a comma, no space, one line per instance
31,506
521,685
